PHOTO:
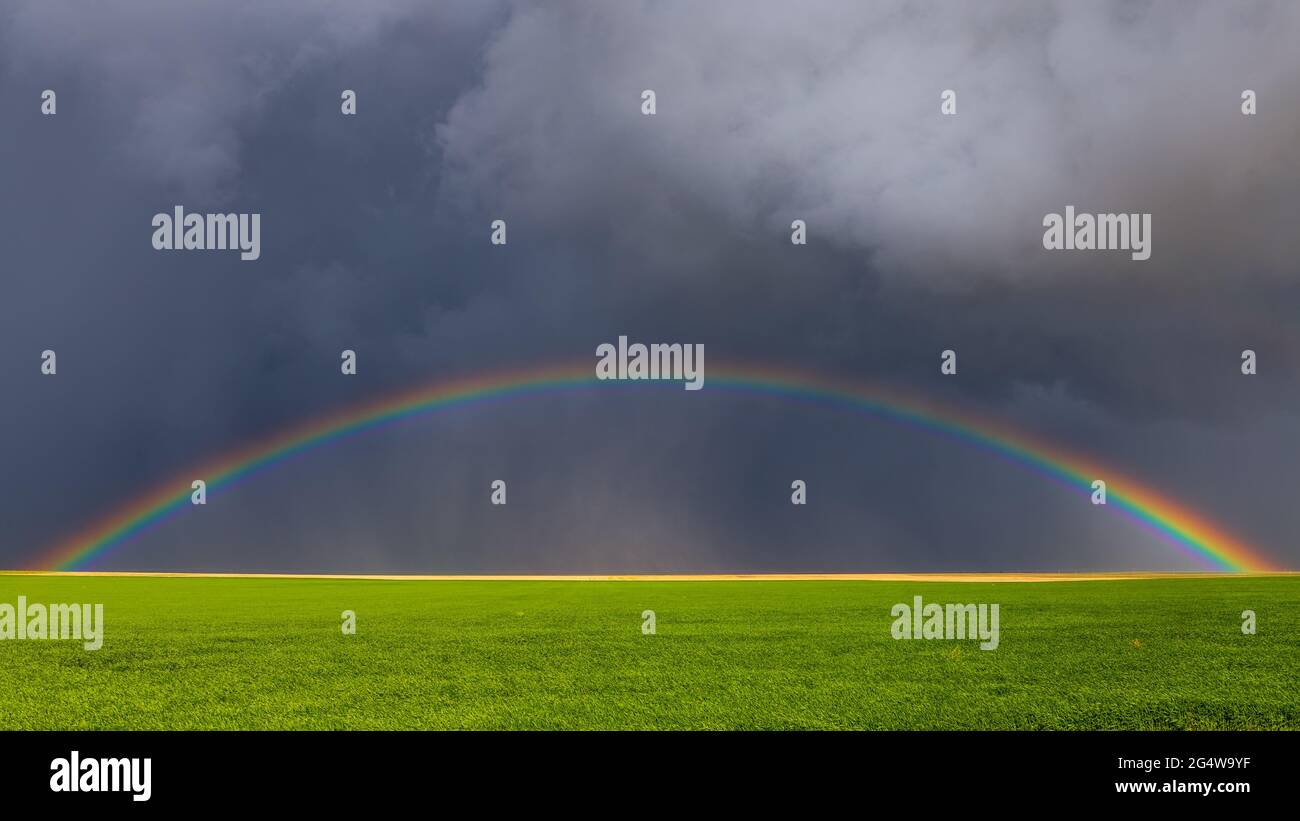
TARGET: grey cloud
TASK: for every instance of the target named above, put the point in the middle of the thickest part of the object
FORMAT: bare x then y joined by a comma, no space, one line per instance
181,86
829,112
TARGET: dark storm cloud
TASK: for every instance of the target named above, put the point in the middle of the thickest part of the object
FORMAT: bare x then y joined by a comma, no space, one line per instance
924,235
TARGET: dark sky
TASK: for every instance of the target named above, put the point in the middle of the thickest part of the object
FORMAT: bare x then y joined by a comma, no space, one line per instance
924,234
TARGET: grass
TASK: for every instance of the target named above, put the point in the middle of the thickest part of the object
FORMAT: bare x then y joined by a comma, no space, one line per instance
231,653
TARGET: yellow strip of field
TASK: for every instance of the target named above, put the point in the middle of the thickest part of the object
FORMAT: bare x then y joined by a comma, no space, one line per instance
683,577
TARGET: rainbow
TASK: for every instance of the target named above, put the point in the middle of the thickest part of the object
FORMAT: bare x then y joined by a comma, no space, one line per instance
1210,546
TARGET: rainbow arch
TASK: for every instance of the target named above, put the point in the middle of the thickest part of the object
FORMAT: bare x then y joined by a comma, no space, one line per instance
1212,547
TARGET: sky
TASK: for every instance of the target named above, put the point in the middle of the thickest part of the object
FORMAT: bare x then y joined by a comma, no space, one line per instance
924,234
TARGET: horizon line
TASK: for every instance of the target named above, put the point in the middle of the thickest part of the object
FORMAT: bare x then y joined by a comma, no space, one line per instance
1004,576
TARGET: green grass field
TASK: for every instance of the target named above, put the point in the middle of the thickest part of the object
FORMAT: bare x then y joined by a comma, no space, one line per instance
269,654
